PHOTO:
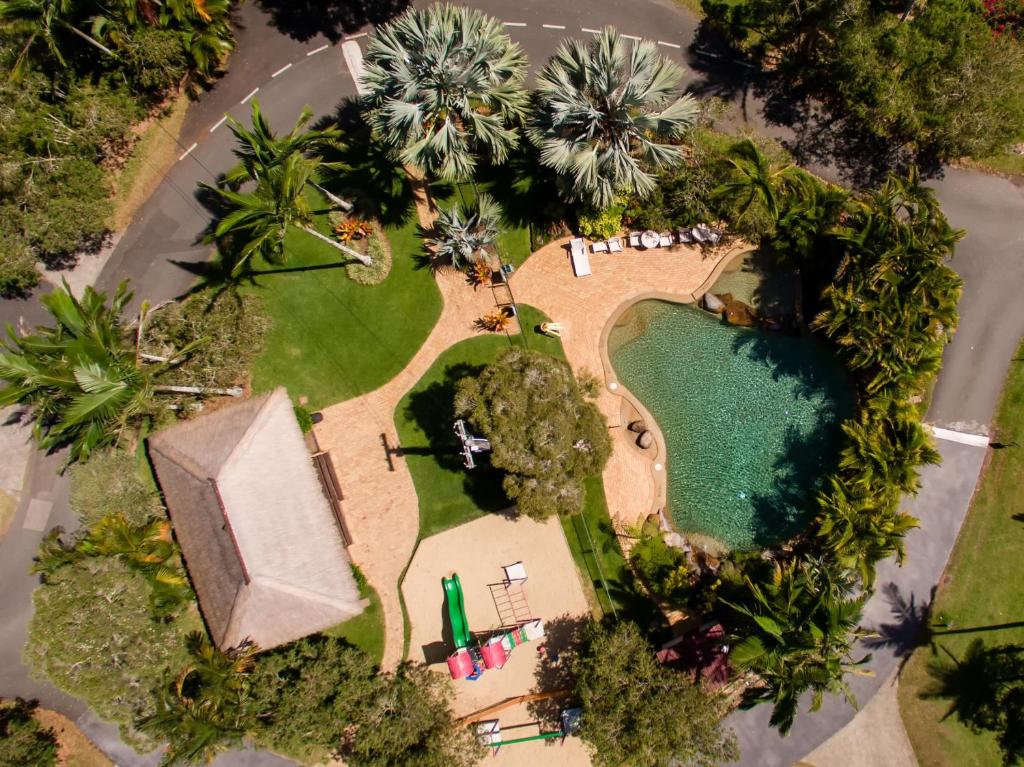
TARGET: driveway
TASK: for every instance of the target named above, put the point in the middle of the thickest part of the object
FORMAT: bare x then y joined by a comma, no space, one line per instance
165,235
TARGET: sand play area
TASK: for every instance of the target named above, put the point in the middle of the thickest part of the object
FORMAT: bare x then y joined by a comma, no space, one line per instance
477,551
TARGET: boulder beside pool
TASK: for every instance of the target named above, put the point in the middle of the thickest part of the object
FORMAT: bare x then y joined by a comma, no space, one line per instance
713,303
738,313
645,440
639,426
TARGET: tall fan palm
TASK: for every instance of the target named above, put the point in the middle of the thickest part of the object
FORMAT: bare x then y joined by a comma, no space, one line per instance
797,634
601,110
445,84
263,217
462,235
85,378
259,149
39,20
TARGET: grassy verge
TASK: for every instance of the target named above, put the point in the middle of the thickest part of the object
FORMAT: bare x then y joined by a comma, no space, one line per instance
366,630
333,339
7,509
981,587
152,156
1004,164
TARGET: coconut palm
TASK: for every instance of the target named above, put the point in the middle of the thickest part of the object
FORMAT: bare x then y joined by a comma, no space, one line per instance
262,218
259,150
444,85
602,110
759,183
884,453
85,378
796,633
463,234
39,21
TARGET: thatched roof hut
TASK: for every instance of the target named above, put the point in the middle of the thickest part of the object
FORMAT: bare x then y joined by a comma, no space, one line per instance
259,539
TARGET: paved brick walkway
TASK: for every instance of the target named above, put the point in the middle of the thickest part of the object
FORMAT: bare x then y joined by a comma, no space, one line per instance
380,504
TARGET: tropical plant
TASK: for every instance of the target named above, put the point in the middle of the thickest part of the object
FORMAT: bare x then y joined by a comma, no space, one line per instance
352,229
757,183
261,219
883,454
207,707
481,272
495,322
462,234
637,713
445,84
796,632
543,433
84,378
40,21
601,115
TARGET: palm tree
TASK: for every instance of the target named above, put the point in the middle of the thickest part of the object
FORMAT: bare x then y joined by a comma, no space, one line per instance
884,453
207,707
85,378
462,235
445,84
259,150
601,111
39,20
263,217
796,633
758,182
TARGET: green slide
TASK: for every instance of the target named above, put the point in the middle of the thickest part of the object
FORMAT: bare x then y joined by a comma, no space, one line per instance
456,610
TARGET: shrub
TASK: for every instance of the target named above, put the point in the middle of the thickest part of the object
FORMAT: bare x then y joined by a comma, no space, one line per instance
18,273
91,636
23,740
600,225
109,483
155,59
304,417
379,251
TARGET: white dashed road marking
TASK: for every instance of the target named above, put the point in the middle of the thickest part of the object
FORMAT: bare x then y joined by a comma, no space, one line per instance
515,24
219,123
553,26
252,93
187,152
282,70
591,31
315,51
357,35
669,45
631,37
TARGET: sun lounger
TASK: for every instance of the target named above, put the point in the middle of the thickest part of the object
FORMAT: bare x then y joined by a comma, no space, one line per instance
634,239
580,259
600,247
614,245
685,235
664,240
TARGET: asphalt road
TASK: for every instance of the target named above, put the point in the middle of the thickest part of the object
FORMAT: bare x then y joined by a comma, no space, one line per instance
165,237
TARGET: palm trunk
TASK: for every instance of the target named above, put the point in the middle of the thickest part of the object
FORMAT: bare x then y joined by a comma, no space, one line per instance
91,40
337,245
345,205
234,391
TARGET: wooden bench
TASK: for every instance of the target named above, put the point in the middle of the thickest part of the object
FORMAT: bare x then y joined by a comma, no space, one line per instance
332,491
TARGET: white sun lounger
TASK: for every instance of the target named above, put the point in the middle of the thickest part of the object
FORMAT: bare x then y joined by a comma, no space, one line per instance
580,259
685,235
634,239
665,240
615,245
600,247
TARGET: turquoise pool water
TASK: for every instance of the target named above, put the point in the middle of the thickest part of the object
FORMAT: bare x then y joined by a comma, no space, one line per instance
750,419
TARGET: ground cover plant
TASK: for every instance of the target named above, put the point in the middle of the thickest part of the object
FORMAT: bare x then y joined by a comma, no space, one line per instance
979,597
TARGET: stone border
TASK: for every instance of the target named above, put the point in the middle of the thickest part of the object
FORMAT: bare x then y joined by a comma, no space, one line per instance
614,387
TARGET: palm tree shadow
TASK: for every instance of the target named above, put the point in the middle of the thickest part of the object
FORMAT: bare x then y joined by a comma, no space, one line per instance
911,626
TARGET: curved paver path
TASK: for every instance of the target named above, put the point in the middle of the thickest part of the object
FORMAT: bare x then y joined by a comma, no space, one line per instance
380,504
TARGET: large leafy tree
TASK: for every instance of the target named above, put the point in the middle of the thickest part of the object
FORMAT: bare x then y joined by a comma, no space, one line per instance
85,378
796,633
462,234
543,433
637,713
445,85
605,114
23,739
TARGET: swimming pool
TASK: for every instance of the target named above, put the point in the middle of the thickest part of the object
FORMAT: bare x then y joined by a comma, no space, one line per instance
750,419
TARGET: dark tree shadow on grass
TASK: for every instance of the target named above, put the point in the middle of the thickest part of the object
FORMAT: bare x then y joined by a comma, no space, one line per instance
433,410
305,19
563,635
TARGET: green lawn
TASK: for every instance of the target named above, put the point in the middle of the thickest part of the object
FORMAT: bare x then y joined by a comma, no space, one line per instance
982,587
333,339
366,630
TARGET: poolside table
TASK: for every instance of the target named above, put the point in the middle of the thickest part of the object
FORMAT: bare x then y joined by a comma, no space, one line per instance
650,239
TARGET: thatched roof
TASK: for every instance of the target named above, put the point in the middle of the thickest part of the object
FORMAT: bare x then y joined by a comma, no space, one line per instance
259,539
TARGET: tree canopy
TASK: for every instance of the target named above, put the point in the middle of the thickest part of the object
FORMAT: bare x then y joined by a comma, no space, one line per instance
605,114
637,713
23,740
543,433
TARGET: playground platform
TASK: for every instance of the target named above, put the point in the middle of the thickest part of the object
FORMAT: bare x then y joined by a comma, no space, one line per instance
477,551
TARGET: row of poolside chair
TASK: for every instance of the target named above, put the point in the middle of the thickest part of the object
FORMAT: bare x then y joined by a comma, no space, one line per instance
611,245
702,234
